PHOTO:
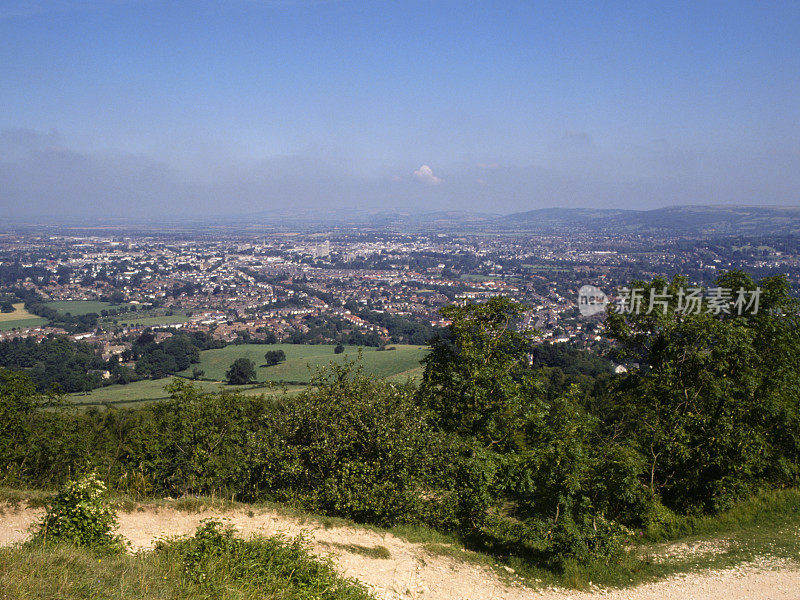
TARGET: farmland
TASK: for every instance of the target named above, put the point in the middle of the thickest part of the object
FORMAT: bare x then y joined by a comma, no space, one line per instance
149,390
147,320
303,360
80,307
19,319
301,363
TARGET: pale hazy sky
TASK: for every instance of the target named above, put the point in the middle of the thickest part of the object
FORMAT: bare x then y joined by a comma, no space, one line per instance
132,108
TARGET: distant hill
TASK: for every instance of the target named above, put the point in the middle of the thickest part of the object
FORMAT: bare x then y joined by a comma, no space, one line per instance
678,220
698,220
432,220
558,218
675,220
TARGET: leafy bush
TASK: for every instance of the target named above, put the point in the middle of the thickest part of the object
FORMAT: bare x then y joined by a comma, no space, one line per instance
78,516
354,447
714,408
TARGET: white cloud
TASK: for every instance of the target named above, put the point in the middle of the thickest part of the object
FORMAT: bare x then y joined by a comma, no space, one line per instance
425,175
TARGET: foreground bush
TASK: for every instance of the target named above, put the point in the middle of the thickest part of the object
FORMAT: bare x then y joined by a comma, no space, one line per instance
77,515
353,447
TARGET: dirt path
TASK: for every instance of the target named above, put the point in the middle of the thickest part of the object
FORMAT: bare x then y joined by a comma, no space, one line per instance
413,572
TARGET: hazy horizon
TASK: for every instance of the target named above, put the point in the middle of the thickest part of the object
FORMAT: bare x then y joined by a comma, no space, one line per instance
139,109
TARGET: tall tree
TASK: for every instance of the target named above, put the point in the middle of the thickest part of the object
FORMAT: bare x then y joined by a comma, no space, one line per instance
713,405
476,376
243,370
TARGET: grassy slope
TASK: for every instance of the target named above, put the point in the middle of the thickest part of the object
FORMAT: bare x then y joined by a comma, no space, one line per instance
299,357
265,568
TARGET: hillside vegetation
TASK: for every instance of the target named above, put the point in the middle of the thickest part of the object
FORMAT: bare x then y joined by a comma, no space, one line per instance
552,471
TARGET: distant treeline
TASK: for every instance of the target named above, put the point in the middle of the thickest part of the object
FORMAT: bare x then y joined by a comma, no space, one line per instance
60,364
155,360
55,362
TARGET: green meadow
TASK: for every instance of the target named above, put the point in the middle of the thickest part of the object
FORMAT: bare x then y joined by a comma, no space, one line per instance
79,307
22,323
303,360
149,390
19,319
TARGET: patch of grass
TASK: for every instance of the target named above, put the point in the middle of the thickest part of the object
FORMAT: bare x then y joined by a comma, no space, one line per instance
23,324
199,504
767,507
420,534
413,375
187,504
18,313
379,552
30,498
149,390
221,565
55,572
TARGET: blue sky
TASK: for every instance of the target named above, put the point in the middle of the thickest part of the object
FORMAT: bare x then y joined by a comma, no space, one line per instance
252,105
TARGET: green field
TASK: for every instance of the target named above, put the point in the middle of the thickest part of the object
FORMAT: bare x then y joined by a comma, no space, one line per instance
148,390
22,323
19,313
80,307
402,362
414,374
19,319
148,321
477,277
395,365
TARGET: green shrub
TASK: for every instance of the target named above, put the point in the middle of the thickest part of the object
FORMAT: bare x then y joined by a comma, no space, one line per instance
78,516
354,447
584,540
